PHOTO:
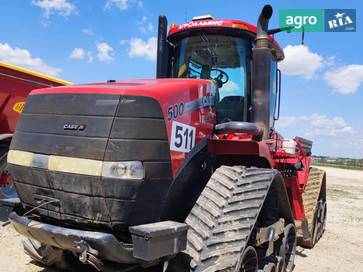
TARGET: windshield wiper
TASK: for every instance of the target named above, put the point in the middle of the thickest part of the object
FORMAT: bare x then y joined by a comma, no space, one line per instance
212,52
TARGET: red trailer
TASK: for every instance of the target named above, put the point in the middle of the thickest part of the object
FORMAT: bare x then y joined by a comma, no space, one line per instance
15,85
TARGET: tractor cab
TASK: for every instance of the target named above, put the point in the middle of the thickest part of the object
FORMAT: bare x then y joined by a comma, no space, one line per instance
222,51
223,59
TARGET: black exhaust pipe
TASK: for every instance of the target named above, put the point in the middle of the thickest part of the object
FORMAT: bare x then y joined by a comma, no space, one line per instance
163,49
262,27
261,81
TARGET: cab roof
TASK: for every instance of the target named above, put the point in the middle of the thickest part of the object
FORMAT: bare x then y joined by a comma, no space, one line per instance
221,24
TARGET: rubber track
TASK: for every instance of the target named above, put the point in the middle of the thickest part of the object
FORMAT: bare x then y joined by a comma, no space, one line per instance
310,198
223,217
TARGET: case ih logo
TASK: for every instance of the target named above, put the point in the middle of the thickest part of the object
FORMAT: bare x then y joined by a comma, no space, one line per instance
74,127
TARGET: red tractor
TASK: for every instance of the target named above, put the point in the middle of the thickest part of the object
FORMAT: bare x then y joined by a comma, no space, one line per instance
183,172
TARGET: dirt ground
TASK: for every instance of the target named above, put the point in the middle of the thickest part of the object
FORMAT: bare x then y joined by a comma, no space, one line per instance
340,249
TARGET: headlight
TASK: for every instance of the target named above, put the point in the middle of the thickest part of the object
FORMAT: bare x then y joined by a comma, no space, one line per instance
123,170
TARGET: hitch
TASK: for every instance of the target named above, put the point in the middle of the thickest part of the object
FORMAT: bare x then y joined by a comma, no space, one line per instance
88,255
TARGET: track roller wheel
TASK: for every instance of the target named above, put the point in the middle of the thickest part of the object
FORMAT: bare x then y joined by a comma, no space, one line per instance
318,225
269,267
249,260
320,220
288,249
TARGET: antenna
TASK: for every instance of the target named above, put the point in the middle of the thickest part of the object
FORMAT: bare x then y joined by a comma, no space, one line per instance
288,29
303,36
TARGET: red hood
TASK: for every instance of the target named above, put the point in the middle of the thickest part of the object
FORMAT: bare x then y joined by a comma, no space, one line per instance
150,87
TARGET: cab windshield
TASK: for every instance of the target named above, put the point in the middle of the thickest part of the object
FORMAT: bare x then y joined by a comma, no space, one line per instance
222,59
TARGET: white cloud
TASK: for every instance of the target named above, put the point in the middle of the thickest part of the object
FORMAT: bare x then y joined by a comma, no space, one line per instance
145,26
80,54
88,31
317,125
287,122
145,49
346,79
322,125
300,61
330,62
104,52
23,58
60,7
89,57
121,4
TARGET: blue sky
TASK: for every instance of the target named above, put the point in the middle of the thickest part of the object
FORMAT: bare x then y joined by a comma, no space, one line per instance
83,41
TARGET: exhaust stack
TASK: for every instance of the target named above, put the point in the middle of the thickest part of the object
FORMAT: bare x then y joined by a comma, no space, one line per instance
261,70
262,27
163,50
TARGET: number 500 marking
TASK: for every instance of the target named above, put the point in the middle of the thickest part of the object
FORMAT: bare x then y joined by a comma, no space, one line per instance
182,137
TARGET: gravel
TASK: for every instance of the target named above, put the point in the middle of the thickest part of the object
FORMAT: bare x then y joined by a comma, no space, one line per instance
340,249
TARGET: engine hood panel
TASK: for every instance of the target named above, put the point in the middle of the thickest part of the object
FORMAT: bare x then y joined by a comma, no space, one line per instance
89,124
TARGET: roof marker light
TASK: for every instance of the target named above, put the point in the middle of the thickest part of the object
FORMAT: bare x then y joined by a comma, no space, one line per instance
240,26
203,17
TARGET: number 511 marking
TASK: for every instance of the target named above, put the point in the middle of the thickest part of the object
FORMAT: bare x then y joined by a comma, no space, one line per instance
182,137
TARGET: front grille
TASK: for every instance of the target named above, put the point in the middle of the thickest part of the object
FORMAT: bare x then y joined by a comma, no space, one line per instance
115,128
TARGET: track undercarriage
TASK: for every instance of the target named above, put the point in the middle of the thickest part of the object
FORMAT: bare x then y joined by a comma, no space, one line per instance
237,225
315,206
